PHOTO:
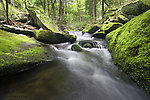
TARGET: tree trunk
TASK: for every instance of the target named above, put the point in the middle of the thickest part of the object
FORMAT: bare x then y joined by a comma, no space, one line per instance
60,12
79,11
102,8
48,3
44,6
3,7
7,19
53,9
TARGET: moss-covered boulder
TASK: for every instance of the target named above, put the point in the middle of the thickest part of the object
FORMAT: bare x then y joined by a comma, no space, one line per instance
13,29
17,51
76,47
135,8
100,35
107,28
130,48
50,37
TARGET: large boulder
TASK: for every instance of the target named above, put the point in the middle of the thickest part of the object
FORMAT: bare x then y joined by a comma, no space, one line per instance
135,8
51,37
130,48
19,53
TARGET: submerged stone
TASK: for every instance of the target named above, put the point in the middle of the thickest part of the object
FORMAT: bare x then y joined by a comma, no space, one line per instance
87,45
76,47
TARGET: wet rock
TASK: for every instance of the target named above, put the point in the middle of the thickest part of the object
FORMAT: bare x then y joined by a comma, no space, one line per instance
76,47
88,44
100,35
93,29
107,28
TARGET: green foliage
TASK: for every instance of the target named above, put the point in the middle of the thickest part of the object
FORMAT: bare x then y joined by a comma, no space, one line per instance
130,47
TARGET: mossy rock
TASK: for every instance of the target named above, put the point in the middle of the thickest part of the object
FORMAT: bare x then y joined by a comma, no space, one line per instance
107,28
130,48
76,47
100,35
122,19
17,51
134,8
47,36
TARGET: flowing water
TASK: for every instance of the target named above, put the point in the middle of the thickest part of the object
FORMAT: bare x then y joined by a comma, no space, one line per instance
70,75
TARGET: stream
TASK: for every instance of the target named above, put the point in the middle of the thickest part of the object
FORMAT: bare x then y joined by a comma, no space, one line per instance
86,75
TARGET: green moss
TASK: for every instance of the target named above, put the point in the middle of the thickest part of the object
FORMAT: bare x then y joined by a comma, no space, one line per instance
130,48
17,50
